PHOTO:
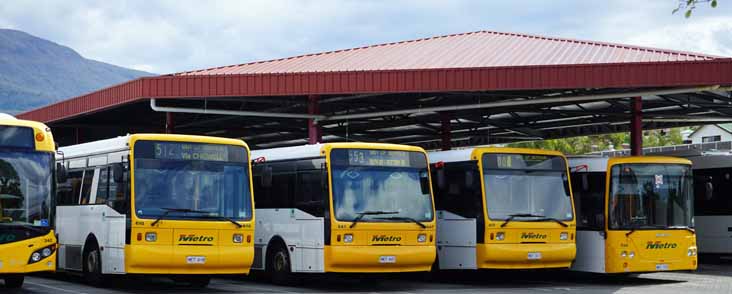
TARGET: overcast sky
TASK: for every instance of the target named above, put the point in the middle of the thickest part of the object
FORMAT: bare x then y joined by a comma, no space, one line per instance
176,35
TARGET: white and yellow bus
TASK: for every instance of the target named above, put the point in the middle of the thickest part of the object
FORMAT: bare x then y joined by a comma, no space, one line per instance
156,204
634,214
503,208
343,208
27,239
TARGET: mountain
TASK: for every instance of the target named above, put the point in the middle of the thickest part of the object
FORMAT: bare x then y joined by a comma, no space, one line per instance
35,72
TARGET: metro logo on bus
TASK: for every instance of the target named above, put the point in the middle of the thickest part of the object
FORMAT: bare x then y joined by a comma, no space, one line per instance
533,236
385,238
194,238
659,245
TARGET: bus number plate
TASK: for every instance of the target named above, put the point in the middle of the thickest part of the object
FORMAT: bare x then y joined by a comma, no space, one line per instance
196,259
661,267
387,259
534,255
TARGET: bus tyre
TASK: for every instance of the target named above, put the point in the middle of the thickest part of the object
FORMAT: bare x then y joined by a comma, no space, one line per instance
14,281
92,263
279,266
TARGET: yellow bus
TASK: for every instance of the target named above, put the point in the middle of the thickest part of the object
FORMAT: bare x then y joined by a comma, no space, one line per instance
27,239
343,208
156,204
634,214
503,208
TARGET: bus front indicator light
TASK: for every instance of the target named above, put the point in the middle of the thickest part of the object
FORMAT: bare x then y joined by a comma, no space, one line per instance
500,236
347,238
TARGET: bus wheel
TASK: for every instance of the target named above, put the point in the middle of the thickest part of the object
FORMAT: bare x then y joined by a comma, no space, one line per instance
92,263
279,266
14,281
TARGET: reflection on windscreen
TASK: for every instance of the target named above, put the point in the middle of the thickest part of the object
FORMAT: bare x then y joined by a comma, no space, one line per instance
218,188
526,184
650,196
390,182
25,188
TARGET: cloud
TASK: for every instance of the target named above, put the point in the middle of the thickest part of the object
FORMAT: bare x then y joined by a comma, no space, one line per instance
168,36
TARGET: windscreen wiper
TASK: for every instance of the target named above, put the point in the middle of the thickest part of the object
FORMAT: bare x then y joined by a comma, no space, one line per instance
693,231
403,218
169,210
554,220
632,230
360,215
221,217
512,216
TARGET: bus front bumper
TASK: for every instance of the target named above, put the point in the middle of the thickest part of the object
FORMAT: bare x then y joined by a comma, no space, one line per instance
379,259
641,265
14,258
203,260
525,256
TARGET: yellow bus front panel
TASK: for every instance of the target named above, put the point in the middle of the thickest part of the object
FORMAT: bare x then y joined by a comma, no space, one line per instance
526,245
650,251
15,257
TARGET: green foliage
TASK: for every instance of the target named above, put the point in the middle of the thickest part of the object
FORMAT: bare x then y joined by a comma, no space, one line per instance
689,5
583,145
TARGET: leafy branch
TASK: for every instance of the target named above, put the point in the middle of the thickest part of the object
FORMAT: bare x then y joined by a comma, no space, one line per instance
689,5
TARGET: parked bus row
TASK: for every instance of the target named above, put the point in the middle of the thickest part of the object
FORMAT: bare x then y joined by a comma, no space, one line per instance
184,206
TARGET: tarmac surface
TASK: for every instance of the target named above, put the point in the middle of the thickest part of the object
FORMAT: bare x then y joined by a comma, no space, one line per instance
715,277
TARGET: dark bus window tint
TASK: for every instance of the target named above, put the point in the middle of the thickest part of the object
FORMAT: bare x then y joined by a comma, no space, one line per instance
86,186
68,192
310,195
103,186
589,200
713,191
461,191
118,195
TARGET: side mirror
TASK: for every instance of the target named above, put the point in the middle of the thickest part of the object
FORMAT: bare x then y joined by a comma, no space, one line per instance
61,173
565,181
424,182
267,176
440,178
118,172
469,179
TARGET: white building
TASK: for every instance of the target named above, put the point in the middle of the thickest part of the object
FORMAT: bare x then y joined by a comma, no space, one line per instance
711,133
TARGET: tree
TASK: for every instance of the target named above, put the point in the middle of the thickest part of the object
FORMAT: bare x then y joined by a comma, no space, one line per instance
689,5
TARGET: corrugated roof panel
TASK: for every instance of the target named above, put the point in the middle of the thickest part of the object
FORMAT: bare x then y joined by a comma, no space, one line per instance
476,49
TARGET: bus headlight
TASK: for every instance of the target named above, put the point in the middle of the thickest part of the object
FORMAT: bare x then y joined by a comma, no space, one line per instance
691,252
563,236
421,238
631,254
35,257
46,252
151,236
500,236
238,238
348,238
623,254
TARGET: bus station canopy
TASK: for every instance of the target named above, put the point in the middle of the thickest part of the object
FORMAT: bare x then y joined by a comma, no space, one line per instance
465,89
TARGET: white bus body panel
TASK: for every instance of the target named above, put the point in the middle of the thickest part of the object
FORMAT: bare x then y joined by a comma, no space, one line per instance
303,234
456,241
75,223
714,233
590,252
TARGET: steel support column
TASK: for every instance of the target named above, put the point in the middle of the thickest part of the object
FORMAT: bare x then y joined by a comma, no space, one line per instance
636,127
446,130
169,123
315,134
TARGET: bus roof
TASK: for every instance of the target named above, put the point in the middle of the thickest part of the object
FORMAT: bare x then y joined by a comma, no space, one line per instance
318,150
600,163
47,144
472,153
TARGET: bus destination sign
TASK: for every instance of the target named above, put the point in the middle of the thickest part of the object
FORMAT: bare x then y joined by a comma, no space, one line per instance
366,157
191,151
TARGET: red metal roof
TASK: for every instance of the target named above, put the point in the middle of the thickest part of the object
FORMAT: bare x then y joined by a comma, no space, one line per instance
468,50
480,61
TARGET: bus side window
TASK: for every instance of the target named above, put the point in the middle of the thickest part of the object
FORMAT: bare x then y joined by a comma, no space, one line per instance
69,190
86,186
309,196
103,186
